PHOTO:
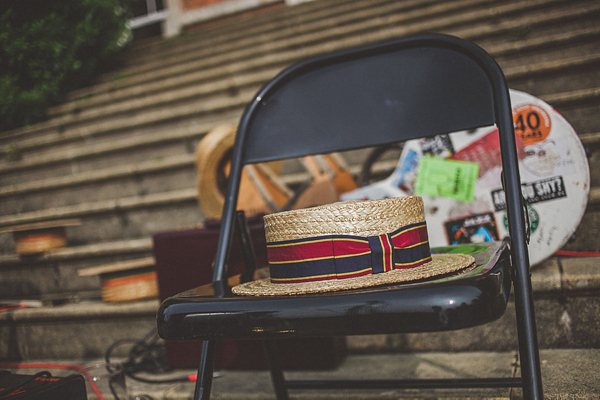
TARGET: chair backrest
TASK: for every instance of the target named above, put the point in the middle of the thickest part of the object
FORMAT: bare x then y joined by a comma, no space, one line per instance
381,93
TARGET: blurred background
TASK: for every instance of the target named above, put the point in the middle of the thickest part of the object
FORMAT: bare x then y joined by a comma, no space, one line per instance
104,105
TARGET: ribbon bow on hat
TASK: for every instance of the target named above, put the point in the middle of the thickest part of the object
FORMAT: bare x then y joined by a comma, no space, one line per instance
342,257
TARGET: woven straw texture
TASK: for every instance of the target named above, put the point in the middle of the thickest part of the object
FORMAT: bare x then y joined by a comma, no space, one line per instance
359,218
441,264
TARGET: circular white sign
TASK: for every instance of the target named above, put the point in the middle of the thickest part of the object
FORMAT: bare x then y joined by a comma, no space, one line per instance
467,204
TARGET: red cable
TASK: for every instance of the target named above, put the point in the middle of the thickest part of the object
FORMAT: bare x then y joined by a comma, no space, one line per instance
9,307
74,367
578,253
44,365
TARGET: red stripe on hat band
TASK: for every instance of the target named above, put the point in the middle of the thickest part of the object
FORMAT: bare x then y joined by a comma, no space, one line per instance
341,257
410,237
318,249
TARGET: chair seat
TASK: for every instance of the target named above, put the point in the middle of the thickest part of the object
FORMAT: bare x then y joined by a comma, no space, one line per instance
454,302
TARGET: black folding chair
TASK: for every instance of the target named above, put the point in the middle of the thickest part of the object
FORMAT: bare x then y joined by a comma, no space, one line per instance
377,94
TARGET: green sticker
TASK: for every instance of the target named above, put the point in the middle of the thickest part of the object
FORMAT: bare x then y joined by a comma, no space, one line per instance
534,219
460,249
438,177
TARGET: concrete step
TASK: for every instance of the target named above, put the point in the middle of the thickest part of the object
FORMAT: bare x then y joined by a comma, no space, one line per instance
120,218
167,96
136,179
159,200
137,201
585,237
578,107
547,78
141,202
308,17
566,374
407,13
88,327
569,41
131,124
185,73
558,76
155,120
142,215
474,17
144,143
478,22
249,50
156,175
566,295
118,230
239,43
139,178
52,277
521,26
591,143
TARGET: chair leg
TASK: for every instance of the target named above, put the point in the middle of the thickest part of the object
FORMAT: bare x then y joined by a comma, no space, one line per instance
528,344
205,371
277,377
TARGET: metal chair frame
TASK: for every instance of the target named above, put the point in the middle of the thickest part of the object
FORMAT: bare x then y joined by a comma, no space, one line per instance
400,89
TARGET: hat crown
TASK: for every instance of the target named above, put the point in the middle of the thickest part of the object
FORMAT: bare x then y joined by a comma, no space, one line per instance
355,217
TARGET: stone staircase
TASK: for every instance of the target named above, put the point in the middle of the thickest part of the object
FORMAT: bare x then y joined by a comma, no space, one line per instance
119,155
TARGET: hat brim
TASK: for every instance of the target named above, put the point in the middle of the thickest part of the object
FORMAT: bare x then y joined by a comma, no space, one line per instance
440,264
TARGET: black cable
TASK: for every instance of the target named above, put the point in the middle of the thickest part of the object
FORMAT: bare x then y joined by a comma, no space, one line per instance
11,389
364,178
145,355
111,386
156,381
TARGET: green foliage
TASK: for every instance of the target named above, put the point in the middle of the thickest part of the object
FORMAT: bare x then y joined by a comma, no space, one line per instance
50,47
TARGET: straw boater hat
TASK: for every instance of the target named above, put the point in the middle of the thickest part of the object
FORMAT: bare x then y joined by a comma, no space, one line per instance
349,245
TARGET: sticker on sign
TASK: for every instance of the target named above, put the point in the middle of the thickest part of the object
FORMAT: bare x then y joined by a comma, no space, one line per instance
554,173
534,192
